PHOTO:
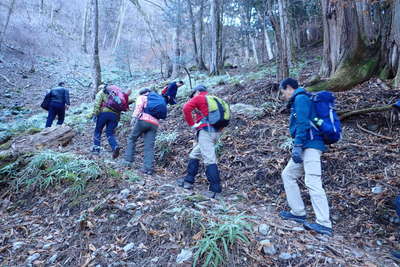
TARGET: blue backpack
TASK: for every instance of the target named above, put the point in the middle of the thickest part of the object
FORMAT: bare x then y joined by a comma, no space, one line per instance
326,120
156,106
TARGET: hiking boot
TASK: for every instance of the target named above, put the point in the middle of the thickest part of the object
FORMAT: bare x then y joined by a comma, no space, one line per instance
395,254
211,194
318,228
146,171
287,215
181,182
116,152
212,174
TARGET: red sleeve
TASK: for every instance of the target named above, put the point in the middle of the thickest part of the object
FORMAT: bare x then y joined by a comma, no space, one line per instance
188,109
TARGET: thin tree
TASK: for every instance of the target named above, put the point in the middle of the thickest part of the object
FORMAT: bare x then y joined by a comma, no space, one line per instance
216,37
85,27
283,70
96,68
10,11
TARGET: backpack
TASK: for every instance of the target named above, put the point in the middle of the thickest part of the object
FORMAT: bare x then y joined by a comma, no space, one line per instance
219,113
156,106
46,101
116,99
326,120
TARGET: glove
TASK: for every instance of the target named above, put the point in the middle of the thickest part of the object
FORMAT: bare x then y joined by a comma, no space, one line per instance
297,154
196,125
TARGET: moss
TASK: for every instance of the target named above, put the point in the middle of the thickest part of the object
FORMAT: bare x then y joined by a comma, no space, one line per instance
384,74
6,145
33,131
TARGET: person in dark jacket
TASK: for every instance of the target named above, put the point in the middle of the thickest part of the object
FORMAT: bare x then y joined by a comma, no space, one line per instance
59,102
169,93
206,137
306,159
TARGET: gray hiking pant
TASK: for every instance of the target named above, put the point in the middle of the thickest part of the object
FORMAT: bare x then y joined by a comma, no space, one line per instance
149,132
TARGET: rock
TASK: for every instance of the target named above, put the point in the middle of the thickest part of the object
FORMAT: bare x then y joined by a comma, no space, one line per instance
185,255
129,247
247,110
47,246
17,245
358,253
52,259
124,193
263,229
131,206
112,216
32,258
285,256
377,189
298,229
268,247
7,95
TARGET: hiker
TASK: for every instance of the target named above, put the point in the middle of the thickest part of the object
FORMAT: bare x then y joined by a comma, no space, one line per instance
149,108
206,137
305,159
58,98
396,253
169,92
109,103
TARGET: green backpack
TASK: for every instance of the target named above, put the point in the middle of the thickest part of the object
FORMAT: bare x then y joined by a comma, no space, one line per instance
219,112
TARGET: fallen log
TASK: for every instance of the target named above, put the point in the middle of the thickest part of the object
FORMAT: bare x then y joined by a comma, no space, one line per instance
345,114
374,133
48,138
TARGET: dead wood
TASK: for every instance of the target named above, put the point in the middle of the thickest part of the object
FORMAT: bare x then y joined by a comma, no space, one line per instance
373,133
345,114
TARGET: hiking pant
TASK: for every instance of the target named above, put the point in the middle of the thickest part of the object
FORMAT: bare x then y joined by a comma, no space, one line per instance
205,147
55,109
397,205
149,132
110,121
311,167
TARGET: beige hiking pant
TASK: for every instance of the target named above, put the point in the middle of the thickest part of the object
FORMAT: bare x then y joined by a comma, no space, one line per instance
311,167
205,147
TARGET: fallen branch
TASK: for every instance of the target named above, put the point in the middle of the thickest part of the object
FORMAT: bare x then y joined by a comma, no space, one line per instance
374,133
345,114
7,80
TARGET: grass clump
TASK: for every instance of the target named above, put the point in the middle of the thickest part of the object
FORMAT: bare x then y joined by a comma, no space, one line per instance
220,237
49,168
164,143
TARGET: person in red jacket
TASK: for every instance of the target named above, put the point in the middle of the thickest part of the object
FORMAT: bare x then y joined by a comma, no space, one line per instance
207,136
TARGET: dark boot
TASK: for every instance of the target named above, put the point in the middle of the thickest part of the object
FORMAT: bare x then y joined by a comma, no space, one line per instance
212,174
191,172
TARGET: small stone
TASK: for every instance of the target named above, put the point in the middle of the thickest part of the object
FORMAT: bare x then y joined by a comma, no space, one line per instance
52,259
357,253
298,229
268,247
7,95
131,206
32,258
185,255
263,229
124,193
17,245
377,189
379,243
112,216
285,256
47,246
128,247
154,260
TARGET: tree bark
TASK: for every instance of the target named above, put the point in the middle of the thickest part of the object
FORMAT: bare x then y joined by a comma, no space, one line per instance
202,65
216,38
85,28
177,62
3,33
254,46
193,31
283,71
355,42
96,68
119,26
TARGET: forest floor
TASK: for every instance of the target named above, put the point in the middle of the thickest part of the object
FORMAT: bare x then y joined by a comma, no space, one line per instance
123,218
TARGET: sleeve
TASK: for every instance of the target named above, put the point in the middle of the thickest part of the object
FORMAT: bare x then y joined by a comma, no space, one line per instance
66,92
97,103
187,111
302,109
140,102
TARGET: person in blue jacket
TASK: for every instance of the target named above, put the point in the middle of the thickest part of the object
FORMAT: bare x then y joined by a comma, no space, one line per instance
59,102
306,160
170,91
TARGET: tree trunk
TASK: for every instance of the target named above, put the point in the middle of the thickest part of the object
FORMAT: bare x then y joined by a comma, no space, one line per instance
255,54
177,63
85,28
202,65
154,35
119,26
3,33
355,42
216,38
283,71
96,69
193,31
267,40
394,67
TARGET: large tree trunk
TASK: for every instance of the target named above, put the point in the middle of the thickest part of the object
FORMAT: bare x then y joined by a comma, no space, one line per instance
355,42
120,25
216,37
394,58
193,31
177,62
85,28
96,68
283,71
3,32
201,64
154,35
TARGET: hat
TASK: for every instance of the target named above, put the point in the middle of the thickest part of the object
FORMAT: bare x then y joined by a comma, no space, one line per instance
289,81
200,88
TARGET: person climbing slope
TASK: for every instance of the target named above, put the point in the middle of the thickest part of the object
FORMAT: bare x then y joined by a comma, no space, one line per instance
169,92
58,103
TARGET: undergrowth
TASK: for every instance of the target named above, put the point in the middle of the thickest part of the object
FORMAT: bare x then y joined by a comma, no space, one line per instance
219,239
49,168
